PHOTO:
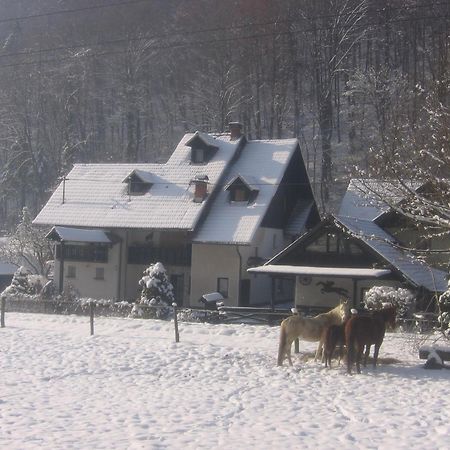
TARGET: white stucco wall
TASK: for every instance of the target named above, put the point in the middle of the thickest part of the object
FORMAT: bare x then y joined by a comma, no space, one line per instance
311,295
84,281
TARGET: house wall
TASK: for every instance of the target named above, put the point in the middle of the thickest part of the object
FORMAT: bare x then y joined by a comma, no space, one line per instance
84,281
209,262
309,293
213,261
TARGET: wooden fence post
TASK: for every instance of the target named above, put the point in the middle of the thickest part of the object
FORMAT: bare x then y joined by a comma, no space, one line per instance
92,308
2,313
175,321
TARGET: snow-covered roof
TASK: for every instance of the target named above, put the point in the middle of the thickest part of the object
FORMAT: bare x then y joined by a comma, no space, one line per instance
94,195
7,268
362,198
351,272
67,234
236,223
416,271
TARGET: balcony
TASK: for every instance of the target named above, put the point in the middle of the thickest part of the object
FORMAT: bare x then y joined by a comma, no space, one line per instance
169,256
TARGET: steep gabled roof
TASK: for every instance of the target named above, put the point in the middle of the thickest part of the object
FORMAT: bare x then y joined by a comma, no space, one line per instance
362,198
414,270
229,223
93,195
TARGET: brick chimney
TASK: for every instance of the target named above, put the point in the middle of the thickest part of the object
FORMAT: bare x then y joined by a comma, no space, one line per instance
235,130
200,183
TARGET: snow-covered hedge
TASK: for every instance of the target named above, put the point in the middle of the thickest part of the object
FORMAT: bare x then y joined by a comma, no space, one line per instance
377,296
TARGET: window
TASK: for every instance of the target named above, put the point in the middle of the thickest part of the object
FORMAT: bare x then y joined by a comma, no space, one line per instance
99,273
198,155
239,194
71,272
138,187
222,286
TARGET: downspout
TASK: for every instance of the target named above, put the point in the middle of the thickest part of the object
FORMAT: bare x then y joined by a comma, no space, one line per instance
61,269
239,276
126,266
119,275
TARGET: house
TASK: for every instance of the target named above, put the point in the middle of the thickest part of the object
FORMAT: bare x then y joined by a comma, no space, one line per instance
347,254
220,204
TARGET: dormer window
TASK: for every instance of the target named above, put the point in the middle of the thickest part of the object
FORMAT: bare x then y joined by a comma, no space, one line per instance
203,147
242,189
198,156
139,182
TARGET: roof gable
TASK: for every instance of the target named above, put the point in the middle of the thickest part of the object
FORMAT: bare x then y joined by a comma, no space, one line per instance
237,223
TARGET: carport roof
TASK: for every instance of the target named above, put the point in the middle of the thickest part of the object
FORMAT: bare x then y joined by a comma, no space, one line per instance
349,272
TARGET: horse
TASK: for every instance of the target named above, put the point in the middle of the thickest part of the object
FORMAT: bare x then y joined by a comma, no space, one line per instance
333,335
363,331
308,329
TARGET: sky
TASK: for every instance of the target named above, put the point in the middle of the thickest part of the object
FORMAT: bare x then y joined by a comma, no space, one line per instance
130,386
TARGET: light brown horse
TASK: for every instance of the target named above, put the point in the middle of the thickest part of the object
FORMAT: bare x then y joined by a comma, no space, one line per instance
363,331
308,329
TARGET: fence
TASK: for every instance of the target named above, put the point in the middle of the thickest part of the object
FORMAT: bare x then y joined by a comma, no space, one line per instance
88,308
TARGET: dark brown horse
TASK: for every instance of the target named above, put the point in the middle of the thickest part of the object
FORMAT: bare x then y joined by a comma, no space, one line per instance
333,336
362,330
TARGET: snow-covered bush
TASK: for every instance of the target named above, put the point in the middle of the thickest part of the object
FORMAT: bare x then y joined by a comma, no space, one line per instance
444,310
403,299
157,291
24,283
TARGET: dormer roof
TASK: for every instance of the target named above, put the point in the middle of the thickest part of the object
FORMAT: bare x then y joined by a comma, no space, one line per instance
204,138
141,175
249,181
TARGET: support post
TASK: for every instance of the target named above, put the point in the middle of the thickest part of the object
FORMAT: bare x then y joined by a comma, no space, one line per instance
2,313
91,311
175,322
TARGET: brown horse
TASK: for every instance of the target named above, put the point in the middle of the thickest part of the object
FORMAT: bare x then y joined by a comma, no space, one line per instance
334,335
361,330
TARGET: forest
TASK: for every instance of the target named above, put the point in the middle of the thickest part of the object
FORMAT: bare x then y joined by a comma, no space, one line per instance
86,81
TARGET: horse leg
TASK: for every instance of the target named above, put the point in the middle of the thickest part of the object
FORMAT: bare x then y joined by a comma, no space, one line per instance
288,353
359,353
366,354
375,355
319,351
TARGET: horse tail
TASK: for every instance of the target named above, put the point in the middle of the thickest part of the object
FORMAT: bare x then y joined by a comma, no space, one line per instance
282,344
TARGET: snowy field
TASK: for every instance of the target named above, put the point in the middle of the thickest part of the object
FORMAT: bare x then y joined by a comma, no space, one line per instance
131,387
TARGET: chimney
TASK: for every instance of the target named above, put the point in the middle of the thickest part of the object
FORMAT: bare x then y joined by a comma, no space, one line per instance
235,130
200,183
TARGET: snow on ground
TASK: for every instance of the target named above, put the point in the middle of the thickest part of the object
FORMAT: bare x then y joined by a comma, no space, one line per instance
132,387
